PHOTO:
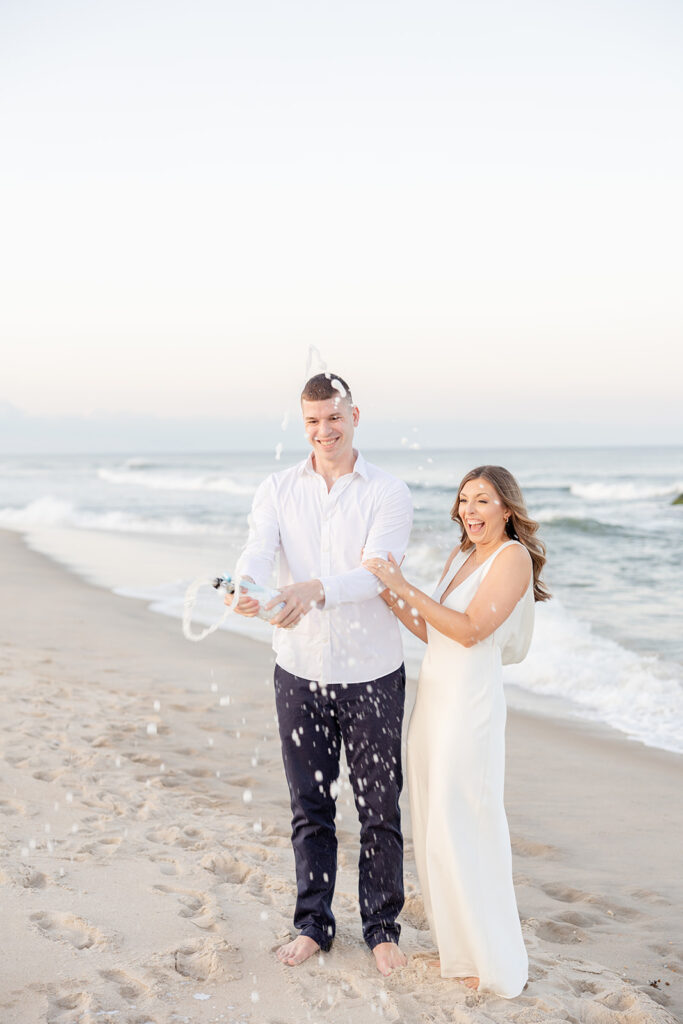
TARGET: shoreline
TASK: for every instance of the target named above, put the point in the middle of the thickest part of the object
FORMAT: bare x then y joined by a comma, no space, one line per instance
79,552
181,840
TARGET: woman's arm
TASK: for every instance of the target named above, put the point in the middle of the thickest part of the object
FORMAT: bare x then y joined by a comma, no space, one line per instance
503,586
405,614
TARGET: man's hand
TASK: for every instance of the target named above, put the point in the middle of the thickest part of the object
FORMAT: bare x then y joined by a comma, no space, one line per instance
247,606
299,598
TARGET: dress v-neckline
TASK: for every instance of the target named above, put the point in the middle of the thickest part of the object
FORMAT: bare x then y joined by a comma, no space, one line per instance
447,593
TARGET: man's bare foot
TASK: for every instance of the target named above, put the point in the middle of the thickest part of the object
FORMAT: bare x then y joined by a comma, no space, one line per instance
388,956
298,950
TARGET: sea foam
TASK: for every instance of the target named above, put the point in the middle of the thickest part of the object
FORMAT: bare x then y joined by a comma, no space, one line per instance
49,511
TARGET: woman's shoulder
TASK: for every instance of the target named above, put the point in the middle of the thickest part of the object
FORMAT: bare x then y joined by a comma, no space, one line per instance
512,560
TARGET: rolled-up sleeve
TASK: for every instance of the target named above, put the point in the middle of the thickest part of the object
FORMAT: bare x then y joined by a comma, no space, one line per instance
258,557
389,532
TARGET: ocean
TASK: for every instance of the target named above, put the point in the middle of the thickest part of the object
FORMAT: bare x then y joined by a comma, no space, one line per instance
608,647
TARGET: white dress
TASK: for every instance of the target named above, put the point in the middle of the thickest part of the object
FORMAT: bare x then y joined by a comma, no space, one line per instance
456,769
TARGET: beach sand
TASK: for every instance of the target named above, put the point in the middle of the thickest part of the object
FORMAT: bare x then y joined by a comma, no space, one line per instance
146,873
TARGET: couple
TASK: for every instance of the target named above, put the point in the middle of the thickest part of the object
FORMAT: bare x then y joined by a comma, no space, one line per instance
340,527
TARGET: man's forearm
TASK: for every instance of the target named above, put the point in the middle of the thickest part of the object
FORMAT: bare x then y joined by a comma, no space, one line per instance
355,586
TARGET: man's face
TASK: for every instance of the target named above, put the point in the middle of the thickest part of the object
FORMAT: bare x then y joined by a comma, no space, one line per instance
329,426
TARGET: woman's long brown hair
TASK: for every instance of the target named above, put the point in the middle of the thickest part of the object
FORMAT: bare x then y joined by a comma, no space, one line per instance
520,526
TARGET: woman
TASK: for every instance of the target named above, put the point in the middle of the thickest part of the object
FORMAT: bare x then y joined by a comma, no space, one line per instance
480,617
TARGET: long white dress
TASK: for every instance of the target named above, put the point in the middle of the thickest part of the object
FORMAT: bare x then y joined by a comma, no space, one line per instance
456,768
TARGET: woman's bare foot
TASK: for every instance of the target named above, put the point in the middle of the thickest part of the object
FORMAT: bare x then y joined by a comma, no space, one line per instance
469,982
387,957
295,952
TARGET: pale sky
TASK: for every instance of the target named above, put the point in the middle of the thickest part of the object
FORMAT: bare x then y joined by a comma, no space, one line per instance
473,210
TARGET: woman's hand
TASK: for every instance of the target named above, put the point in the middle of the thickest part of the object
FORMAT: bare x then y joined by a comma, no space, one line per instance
387,572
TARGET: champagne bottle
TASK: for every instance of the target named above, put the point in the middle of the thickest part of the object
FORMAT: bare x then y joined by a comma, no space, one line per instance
262,594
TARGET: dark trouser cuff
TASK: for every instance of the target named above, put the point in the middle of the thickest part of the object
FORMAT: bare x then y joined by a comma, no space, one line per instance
383,936
317,934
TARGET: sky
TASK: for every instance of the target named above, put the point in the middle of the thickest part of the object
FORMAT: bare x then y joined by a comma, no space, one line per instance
473,212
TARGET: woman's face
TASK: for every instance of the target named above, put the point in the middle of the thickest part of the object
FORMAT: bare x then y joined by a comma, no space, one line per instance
482,511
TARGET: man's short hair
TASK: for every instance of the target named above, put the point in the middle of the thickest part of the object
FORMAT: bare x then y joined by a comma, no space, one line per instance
324,386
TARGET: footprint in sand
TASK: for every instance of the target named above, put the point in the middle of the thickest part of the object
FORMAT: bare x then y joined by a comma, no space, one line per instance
167,865
150,760
226,867
565,894
529,848
649,896
106,846
559,932
208,959
672,956
128,988
48,776
68,928
173,836
261,854
33,879
64,1006
195,906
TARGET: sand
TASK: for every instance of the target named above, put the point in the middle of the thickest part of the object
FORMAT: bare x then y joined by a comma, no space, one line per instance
146,873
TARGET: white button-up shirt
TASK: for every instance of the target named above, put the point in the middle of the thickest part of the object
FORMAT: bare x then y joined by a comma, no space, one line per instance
325,535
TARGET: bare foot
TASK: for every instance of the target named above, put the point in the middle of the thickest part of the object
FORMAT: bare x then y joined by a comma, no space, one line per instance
469,982
296,951
388,956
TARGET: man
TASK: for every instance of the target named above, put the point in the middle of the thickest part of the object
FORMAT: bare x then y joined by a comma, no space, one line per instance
339,674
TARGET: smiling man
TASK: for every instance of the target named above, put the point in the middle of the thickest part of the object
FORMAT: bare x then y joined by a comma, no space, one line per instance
339,674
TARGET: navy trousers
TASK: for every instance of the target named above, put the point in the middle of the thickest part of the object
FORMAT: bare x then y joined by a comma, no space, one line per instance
314,721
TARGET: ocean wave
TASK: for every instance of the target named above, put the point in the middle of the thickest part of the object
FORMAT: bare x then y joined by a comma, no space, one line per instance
138,477
139,462
578,521
640,696
624,491
50,511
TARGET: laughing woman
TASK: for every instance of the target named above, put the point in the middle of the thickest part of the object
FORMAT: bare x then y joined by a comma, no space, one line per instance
480,617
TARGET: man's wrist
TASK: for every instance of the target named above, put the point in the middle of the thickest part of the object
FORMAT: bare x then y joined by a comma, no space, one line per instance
318,598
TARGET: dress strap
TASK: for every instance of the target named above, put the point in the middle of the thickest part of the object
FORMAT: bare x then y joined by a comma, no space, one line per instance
491,559
447,579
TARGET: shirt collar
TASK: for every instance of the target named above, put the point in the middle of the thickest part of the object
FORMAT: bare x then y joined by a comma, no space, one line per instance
360,467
